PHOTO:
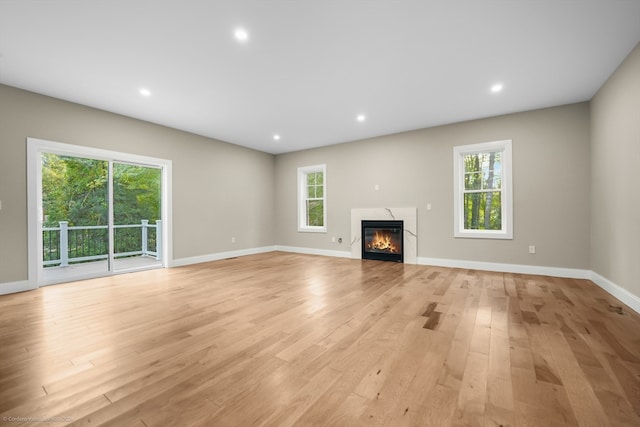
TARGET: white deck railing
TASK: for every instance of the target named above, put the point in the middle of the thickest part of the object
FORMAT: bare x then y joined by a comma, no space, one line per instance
61,245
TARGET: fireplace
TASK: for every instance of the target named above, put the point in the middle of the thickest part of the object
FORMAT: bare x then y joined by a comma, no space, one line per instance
382,240
409,218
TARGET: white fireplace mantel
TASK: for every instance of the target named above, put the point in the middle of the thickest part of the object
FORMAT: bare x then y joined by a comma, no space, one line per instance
409,216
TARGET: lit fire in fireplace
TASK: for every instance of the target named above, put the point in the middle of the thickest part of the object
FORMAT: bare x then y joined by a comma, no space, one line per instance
383,241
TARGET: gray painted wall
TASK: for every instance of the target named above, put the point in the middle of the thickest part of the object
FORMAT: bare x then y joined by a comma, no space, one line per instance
213,182
615,183
550,179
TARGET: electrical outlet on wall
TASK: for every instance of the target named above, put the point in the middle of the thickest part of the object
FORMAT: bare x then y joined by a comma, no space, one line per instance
532,249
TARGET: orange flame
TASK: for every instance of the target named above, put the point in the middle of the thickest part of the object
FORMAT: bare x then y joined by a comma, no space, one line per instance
383,242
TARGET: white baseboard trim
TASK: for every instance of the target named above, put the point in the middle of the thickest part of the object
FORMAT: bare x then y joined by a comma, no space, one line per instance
13,287
218,256
633,301
312,251
572,273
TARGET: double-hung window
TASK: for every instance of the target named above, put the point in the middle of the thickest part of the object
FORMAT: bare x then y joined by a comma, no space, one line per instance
312,202
483,195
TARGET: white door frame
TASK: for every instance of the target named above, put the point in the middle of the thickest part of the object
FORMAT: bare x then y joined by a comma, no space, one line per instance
35,148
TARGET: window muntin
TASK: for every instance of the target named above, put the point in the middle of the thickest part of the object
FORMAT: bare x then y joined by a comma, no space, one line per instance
312,207
483,192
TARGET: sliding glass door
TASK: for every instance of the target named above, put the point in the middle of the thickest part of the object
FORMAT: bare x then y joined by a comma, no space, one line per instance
75,216
95,216
137,229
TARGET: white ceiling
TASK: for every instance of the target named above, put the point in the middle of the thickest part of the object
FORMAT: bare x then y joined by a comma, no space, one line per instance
310,67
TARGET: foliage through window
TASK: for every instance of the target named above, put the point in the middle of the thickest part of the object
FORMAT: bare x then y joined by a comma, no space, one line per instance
483,191
75,192
312,198
75,189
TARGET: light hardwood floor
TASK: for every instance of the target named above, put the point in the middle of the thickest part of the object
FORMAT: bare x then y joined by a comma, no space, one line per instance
283,339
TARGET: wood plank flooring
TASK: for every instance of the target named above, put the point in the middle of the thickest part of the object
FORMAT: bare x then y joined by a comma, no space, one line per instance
284,339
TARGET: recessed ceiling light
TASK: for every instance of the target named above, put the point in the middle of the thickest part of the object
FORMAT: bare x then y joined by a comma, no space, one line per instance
497,88
361,118
145,92
276,137
241,35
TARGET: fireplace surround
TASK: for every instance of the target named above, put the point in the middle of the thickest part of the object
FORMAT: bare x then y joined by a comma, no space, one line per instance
409,218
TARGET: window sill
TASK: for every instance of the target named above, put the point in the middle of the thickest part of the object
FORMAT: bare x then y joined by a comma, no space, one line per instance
501,235
312,229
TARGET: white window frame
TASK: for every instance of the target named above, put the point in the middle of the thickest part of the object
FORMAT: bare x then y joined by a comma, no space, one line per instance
459,153
302,198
